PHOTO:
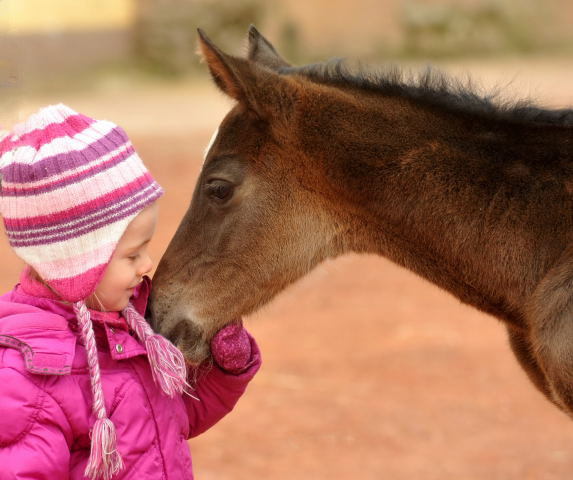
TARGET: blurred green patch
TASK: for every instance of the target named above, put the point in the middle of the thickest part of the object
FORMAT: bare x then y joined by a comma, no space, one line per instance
481,28
165,32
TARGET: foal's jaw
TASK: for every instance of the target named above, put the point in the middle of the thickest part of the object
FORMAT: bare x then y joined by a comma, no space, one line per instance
186,333
177,322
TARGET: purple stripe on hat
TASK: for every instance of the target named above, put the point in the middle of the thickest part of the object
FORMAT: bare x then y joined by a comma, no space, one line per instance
78,211
90,228
75,178
64,228
57,164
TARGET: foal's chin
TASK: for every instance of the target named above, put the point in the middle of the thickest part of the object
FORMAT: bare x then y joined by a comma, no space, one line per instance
191,340
196,354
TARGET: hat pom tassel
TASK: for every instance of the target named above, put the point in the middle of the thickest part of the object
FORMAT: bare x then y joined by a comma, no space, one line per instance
104,461
166,361
167,365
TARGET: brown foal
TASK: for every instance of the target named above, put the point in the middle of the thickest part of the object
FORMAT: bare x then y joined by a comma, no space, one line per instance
316,161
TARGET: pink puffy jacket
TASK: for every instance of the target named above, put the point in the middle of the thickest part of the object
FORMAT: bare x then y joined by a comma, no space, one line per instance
45,395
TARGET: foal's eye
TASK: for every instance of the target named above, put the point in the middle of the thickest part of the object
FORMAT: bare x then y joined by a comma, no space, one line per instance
219,189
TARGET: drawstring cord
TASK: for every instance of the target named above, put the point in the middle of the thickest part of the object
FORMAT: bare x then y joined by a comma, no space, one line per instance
104,460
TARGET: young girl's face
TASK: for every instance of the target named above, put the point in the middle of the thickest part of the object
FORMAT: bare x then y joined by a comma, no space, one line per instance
129,263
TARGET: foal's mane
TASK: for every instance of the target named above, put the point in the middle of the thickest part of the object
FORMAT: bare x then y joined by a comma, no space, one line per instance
434,88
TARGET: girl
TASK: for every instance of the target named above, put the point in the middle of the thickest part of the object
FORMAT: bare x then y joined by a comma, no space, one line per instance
86,387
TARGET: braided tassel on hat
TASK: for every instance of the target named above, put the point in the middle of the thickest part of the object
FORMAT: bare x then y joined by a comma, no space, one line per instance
166,361
104,460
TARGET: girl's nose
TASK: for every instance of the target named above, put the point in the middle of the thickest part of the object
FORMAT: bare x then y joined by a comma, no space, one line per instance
146,266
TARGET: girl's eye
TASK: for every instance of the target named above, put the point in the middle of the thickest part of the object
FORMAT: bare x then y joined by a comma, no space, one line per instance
133,257
219,190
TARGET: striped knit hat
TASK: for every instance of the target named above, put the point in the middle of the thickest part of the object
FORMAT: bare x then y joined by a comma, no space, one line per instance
69,187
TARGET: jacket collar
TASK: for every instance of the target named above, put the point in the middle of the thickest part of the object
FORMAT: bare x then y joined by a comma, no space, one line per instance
44,328
34,292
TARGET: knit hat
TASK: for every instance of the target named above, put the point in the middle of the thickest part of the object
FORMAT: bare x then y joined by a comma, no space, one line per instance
69,187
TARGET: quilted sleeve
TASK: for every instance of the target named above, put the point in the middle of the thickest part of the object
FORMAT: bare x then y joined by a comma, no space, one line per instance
218,390
33,431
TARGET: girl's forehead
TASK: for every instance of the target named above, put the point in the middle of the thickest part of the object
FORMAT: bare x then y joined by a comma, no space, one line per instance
142,227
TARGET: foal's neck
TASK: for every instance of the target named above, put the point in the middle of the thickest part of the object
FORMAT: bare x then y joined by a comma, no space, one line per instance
446,195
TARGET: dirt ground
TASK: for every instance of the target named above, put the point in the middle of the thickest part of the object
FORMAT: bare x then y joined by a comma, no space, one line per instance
369,371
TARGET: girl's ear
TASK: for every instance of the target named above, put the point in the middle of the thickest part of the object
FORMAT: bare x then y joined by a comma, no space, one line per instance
259,89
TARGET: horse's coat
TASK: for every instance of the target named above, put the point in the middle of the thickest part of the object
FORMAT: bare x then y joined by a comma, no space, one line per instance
472,194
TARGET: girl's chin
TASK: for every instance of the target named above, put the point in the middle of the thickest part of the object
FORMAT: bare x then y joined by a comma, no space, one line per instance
119,305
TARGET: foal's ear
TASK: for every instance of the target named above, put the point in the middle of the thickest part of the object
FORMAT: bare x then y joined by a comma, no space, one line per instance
263,52
259,89
223,67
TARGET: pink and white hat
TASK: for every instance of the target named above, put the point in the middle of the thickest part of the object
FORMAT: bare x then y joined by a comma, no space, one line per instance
69,187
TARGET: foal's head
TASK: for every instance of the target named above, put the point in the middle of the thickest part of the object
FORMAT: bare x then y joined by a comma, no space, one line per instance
256,222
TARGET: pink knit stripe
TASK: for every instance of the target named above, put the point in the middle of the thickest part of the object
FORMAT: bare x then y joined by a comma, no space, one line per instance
40,136
74,246
80,286
5,141
77,212
28,163
63,180
44,117
89,210
51,177
96,224
78,264
33,231
88,189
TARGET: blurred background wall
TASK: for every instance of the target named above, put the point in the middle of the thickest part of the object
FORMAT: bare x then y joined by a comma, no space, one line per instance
39,37
43,38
